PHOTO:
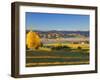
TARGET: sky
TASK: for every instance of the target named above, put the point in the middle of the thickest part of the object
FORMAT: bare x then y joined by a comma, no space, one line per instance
50,21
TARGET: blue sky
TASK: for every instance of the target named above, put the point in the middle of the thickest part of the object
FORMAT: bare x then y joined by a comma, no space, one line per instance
48,21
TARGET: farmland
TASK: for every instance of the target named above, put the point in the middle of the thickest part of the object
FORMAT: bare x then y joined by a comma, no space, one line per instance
76,54
58,48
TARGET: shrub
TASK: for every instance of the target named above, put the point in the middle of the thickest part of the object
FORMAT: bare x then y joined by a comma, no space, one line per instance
79,47
27,47
60,47
67,47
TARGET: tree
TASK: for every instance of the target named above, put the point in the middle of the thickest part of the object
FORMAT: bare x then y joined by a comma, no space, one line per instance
33,41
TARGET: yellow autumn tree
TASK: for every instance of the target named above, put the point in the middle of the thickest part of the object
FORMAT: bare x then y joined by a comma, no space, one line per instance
33,40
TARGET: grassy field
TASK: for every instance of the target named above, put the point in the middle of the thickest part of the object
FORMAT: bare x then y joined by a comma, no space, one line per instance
47,57
74,46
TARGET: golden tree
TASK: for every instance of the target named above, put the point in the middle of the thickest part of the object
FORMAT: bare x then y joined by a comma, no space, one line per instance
33,40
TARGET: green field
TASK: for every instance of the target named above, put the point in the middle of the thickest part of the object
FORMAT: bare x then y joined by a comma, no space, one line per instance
48,57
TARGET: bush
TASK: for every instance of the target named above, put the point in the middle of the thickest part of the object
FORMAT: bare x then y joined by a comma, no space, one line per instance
79,47
41,44
60,47
66,47
27,48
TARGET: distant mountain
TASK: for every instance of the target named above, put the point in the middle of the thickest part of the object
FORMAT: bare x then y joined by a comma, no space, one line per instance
85,33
